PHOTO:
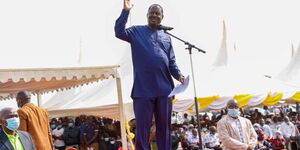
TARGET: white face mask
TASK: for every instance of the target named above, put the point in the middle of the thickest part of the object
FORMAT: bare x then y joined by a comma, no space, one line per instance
112,142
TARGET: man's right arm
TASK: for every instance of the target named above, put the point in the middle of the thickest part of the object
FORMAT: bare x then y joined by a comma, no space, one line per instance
120,31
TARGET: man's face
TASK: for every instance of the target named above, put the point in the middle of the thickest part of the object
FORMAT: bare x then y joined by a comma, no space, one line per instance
154,15
7,115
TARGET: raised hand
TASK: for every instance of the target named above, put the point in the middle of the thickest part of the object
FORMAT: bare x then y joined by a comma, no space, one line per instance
127,5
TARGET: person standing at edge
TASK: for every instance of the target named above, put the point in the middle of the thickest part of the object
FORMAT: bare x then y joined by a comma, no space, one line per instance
154,65
10,137
236,132
34,120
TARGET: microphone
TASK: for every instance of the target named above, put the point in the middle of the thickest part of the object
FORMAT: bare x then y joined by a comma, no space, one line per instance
165,28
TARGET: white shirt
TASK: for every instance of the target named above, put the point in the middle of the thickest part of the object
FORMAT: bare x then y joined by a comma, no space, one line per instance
211,140
239,126
193,140
58,132
287,130
189,133
174,120
275,127
268,130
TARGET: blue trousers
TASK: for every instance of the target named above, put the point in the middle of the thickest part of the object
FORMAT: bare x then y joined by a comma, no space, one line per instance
144,108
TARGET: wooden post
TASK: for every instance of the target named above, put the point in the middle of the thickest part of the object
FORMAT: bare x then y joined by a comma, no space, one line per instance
121,112
39,99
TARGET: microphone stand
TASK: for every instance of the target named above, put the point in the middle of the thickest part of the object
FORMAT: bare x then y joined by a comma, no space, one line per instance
189,48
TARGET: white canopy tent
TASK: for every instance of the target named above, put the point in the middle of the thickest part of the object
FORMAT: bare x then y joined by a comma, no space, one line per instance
44,80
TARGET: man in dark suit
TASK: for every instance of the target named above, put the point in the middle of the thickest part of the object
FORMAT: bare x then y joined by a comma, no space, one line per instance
10,137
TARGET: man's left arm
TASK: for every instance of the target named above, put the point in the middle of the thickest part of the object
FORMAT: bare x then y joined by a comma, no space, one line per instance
175,72
23,120
253,135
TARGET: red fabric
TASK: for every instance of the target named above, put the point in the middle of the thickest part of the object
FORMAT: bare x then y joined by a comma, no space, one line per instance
121,148
274,141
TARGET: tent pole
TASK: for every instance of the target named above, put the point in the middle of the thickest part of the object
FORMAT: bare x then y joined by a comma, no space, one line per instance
39,98
121,109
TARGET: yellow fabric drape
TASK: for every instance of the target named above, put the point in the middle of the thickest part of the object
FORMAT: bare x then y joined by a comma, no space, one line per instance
296,96
130,135
272,99
174,100
204,102
243,99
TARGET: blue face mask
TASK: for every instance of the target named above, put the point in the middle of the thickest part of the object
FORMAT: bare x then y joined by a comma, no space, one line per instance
204,129
71,124
233,112
53,126
59,126
13,123
106,139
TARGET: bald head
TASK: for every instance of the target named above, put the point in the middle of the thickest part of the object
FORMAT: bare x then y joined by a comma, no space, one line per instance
232,104
9,120
212,129
23,97
8,112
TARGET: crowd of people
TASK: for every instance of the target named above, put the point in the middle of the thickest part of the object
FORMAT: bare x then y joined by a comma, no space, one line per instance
86,132
267,128
275,130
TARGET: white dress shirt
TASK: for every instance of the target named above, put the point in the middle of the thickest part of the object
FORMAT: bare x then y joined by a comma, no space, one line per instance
287,130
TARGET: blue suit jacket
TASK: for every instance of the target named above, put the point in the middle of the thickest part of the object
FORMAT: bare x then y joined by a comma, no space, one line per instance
24,137
153,58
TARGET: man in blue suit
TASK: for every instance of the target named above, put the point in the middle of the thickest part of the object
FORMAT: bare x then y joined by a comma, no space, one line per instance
153,65
10,137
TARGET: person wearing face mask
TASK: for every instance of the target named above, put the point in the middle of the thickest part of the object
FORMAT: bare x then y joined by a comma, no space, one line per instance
190,130
113,144
278,142
71,135
265,127
211,140
102,145
34,120
194,140
262,138
10,137
106,140
287,129
236,132
52,126
57,135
